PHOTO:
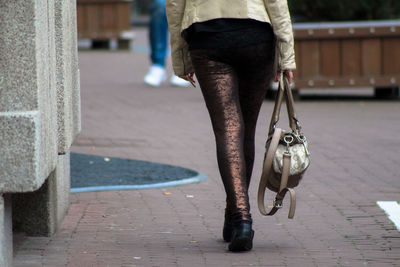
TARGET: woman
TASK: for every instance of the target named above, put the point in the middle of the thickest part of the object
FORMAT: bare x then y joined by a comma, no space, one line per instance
230,45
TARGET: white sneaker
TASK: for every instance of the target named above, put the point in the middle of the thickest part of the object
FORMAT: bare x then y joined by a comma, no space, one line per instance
176,81
155,76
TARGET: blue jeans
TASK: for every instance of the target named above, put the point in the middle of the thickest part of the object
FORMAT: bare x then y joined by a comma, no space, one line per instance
158,33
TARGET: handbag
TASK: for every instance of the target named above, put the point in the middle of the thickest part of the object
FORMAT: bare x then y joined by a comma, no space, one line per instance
286,156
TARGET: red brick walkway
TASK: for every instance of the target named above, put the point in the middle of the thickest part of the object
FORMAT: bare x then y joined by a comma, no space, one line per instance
354,147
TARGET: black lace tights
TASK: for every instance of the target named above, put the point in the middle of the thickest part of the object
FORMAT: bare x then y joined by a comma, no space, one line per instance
233,82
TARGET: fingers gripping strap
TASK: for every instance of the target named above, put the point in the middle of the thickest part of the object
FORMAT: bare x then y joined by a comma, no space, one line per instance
267,169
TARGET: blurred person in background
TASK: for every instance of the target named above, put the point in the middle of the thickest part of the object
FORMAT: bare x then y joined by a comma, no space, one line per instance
230,46
158,37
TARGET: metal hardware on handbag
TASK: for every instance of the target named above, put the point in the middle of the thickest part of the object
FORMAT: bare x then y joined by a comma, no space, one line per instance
287,156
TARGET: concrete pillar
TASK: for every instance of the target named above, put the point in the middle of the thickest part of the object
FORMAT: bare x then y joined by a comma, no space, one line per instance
39,213
67,74
6,245
39,112
28,110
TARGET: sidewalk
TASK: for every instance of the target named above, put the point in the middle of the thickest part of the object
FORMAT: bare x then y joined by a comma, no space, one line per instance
355,163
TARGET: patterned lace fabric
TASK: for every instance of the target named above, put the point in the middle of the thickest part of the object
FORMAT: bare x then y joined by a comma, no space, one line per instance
233,82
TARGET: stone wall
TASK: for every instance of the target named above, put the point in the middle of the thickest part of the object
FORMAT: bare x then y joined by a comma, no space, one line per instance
5,231
39,114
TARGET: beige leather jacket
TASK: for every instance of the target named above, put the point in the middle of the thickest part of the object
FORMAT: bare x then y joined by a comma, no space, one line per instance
183,13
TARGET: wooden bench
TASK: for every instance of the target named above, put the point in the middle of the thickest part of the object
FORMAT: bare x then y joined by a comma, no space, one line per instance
105,23
353,54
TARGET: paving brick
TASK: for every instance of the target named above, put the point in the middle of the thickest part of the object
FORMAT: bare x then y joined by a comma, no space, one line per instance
337,222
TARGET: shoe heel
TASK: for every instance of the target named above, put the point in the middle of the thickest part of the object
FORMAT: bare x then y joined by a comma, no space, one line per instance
242,238
227,232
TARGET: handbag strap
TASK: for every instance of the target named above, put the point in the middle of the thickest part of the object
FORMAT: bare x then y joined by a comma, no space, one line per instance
284,180
284,90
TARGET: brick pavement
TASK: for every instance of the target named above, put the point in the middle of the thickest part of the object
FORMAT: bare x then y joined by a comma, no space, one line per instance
337,223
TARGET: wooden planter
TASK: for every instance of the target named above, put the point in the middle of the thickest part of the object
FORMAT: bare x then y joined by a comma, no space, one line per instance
104,19
357,54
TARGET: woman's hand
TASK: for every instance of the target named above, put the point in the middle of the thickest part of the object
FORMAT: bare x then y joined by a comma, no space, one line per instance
287,73
189,77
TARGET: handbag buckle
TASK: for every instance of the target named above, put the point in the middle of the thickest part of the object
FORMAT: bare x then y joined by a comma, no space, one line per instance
303,140
277,205
288,139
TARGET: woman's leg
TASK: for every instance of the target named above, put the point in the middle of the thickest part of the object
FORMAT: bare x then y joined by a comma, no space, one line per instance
220,88
233,83
254,79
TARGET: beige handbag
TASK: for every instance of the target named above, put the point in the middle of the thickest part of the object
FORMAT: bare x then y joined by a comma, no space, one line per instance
286,158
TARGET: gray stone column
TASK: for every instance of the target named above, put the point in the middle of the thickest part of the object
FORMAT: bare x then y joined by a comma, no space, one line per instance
67,74
39,111
42,211
6,246
28,110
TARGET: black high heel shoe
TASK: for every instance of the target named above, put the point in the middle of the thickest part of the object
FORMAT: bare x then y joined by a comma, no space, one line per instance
227,231
228,226
242,237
